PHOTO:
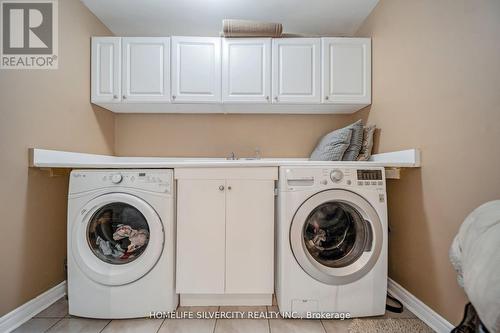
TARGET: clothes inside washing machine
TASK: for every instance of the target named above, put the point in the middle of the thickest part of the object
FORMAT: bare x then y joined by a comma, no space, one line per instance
118,233
335,234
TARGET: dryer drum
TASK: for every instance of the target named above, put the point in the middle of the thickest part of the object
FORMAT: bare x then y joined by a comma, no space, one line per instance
335,234
117,233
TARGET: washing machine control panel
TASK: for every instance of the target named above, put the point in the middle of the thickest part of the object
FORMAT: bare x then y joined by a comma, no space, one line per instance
303,177
148,180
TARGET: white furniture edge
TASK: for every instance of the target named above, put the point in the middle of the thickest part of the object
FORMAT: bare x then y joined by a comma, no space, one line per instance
44,158
225,299
419,308
231,107
398,156
28,310
219,106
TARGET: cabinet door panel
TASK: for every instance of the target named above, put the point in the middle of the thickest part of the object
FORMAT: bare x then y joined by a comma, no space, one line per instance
106,69
347,70
296,70
200,236
246,70
146,69
250,236
196,69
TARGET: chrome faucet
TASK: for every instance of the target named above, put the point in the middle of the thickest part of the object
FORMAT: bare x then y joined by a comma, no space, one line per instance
257,153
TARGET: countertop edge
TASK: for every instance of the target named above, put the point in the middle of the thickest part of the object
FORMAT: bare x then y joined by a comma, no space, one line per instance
45,158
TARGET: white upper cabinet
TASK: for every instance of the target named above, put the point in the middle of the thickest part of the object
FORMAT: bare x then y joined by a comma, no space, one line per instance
282,75
346,70
246,70
146,69
106,69
196,69
296,70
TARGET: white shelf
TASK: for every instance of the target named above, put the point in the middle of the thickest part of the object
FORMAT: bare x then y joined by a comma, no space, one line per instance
44,158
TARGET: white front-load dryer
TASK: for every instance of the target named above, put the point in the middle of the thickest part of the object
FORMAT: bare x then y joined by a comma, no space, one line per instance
331,242
121,246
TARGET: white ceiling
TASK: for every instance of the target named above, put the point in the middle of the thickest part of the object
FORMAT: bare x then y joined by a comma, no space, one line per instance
204,17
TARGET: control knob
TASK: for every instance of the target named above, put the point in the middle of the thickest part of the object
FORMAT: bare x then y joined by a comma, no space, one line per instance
116,178
336,175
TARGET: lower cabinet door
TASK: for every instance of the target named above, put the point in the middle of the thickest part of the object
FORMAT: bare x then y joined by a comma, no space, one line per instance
200,236
249,236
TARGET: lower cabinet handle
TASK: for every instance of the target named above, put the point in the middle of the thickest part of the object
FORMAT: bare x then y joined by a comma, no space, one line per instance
229,188
221,188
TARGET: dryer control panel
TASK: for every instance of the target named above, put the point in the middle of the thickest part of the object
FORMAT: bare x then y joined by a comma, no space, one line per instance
152,180
296,178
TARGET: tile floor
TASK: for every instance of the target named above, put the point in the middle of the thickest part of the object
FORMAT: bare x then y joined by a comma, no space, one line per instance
56,319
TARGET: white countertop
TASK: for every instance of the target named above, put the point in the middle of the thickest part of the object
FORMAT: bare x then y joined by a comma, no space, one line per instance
44,158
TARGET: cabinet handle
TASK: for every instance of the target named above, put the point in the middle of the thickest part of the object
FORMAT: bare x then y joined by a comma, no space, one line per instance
326,97
115,97
267,98
124,97
276,98
221,188
229,188
173,97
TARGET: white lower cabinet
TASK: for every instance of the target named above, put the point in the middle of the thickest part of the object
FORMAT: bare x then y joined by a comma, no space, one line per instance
249,236
200,236
225,234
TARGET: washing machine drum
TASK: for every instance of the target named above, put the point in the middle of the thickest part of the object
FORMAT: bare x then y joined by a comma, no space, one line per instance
117,239
336,236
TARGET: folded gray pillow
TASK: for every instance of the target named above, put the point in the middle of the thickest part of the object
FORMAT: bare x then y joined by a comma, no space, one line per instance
352,152
366,148
332,146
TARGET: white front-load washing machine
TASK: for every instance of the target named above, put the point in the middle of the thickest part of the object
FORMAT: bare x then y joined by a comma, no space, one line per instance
121,247
331,241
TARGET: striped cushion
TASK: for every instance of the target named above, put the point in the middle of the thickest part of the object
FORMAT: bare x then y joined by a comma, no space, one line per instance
366,148
352,152
332,146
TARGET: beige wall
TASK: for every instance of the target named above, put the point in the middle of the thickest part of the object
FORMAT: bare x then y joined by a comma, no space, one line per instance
436,84
218,135
44,108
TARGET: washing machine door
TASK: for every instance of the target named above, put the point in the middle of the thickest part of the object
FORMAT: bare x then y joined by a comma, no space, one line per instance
336,236
117,239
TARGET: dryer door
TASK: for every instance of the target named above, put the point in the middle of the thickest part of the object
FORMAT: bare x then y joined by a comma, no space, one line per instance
336,236
117,239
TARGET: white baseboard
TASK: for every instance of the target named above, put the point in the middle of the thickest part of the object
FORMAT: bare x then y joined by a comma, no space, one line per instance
422,311
28,310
